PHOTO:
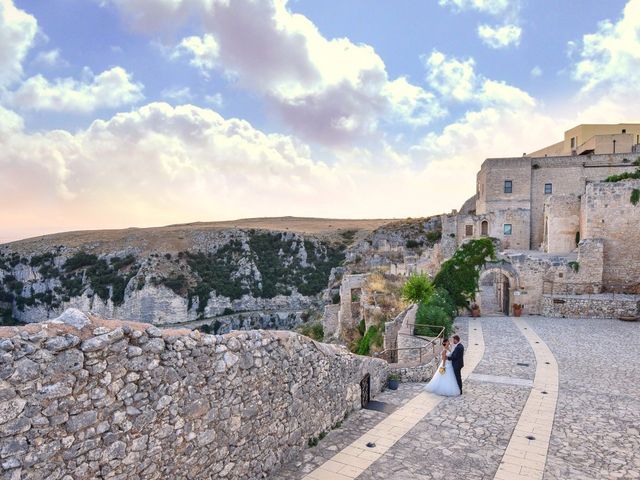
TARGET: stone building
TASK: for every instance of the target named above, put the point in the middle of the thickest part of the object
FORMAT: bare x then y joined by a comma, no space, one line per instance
553,215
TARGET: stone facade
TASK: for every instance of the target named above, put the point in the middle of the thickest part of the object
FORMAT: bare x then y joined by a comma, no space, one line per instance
561,223
521,203
610,215
591,306
92,398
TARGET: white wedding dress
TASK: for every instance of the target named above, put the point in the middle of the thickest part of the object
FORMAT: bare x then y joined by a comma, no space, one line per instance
444,384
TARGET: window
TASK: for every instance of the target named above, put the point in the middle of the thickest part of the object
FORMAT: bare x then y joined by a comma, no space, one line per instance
507,229
508,186
624,130
548,188
485,228
573,142
468,230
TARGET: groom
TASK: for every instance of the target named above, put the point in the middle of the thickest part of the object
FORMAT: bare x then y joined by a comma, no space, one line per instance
457,360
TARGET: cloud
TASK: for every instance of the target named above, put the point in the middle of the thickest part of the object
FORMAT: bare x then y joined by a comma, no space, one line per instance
608,68
202,51
49,58
452,78
110,89
536,71
177,94
18,30
500,36
327,90
610,57
215,99
493,7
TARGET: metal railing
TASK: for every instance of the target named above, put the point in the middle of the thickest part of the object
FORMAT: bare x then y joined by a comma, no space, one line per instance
418,355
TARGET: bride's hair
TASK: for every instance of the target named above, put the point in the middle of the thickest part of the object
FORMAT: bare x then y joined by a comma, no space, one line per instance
445,340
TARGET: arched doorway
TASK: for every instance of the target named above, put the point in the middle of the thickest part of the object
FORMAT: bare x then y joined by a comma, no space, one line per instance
484,228
496,285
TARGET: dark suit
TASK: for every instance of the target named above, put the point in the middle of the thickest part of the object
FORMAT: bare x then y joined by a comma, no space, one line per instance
457,362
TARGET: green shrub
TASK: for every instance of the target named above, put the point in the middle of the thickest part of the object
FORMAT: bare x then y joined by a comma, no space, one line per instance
624,176
178,283
362,326
373,336
575,266
459,275
635,196
413,244
80,260
429,317
418,288
313,330
434,236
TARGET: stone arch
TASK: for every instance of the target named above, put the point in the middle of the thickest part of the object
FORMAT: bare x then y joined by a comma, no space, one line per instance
496,285
484,228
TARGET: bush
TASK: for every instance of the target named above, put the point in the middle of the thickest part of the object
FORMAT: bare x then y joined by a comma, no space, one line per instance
635,196
459,275
373,336
433,237
313,330
362,327
418,288
431,316
413,244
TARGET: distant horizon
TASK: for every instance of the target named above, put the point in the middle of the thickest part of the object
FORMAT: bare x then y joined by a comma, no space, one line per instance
78,230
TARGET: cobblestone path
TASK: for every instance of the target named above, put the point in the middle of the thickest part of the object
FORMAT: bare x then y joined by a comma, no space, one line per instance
596,427
596,433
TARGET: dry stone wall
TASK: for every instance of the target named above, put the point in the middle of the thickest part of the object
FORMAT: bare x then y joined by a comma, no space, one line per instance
90,398
591,306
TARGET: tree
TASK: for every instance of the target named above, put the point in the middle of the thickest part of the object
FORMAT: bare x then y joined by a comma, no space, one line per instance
417,289
460,274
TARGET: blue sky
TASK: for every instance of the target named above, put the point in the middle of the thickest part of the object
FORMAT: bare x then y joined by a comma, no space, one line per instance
266,107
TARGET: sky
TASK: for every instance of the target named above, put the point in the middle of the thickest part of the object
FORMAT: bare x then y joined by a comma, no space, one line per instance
123,113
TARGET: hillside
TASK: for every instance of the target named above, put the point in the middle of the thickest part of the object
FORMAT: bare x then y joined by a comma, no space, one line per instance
273,267
175,238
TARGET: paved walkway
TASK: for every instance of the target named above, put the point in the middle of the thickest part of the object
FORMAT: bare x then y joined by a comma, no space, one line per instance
571,385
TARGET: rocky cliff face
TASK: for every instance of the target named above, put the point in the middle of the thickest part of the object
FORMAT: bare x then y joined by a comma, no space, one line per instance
219,273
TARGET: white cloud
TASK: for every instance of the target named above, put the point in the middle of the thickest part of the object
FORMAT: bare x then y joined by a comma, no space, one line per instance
111,88
536,71
452,78
49,58
611,56
17,32
608,68
202,51
215,99
328,90
500,36
493,7
177,94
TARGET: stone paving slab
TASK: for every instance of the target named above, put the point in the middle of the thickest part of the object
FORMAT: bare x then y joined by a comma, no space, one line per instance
526,454
596,433
500,379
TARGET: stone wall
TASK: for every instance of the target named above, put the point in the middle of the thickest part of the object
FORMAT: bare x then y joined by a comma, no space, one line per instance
346,320
420,373
330,320
562,223
118,400
590,306
610,215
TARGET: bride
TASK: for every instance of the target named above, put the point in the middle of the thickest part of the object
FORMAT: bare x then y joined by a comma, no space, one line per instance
444,381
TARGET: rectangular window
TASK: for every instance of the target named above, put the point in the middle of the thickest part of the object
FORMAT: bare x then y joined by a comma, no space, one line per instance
508,186
573,142
548,188
468,230
507,229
